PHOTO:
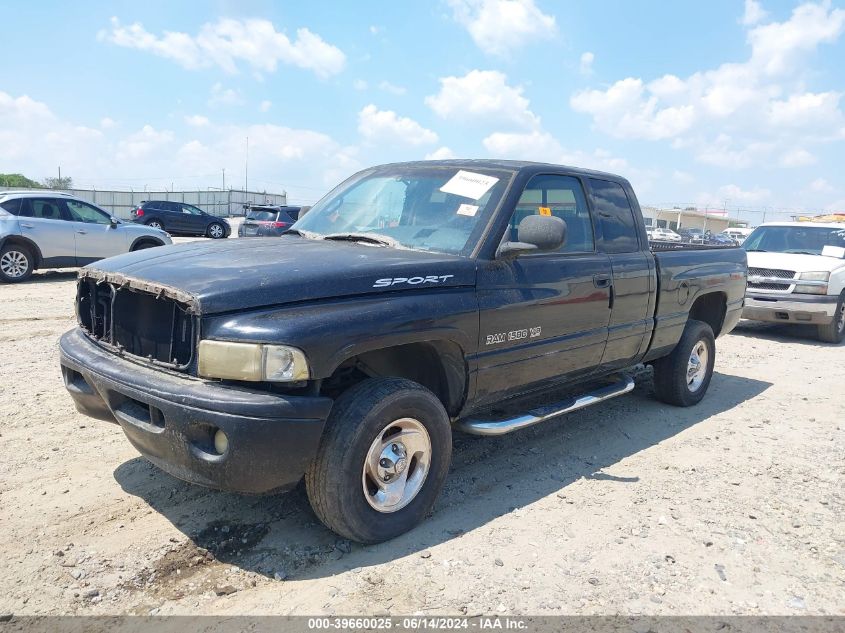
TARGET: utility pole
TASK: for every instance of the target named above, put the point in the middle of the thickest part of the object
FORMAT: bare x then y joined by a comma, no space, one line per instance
60,176
224,179
246,167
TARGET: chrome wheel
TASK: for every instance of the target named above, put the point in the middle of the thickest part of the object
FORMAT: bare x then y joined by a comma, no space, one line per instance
215,231
155,224
697,366
840,323
14,264
396,465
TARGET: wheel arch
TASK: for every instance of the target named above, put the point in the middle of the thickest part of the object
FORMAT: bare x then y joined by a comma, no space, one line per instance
20,240
143,239
438,365
710,308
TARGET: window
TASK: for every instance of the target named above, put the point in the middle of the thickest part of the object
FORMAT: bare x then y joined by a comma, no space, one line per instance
562,197
82,212
615,216
12,206
44,208
187,208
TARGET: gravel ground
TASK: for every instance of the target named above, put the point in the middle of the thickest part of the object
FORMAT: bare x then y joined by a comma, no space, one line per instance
734,506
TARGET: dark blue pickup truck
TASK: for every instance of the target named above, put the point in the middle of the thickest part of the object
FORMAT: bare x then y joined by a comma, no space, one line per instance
413,300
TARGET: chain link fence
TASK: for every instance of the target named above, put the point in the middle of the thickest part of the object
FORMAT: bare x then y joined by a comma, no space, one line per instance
221,203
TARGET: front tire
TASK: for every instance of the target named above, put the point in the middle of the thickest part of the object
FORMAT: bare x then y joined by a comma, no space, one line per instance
682,377
16,264
216,231
382,461
834,332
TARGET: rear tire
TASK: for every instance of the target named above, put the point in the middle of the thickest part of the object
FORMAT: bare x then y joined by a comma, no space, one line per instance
682,377
215,231
16,264
358,445
155,224
834,332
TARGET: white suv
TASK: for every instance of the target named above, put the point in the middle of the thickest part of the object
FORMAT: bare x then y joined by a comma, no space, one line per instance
796,274
55,230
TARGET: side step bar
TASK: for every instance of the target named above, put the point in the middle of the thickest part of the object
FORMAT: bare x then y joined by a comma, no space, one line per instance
622,383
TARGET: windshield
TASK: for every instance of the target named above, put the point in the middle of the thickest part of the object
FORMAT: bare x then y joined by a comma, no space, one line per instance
425,207
794,239
261,216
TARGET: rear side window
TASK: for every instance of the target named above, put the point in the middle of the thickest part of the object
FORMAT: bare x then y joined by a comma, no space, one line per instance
44,208
615,216
13,206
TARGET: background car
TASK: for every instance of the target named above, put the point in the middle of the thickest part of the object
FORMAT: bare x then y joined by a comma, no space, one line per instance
179,217
268,221
55,230
692,236
739,235
719,239
661,234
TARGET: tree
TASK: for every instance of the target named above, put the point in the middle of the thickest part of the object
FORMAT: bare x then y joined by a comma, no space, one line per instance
65,182
17,180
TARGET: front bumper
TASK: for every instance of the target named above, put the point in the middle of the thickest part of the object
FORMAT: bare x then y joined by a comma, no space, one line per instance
790,308
171,420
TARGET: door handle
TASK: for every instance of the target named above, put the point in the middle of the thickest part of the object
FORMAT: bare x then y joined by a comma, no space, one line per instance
81,232
602,281
27,226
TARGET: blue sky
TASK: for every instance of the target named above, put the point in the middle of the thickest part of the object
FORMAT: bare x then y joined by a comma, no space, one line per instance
724,103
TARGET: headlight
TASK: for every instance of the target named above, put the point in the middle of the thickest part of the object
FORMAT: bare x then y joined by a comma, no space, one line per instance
817,283
252,361
821,275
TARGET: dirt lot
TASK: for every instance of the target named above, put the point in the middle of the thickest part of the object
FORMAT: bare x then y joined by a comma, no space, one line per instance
734,506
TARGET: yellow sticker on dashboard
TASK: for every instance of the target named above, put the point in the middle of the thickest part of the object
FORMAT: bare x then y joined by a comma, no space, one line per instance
545,210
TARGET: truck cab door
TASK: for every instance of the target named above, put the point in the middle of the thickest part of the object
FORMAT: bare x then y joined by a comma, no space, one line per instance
634,281
543,316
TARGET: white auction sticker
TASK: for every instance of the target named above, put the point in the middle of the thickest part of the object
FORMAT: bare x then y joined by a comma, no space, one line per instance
468,209
469,184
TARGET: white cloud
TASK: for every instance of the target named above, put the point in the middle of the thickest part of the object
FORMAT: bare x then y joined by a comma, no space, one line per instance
820,185
107,123
360,85
797,157
154,157
754,13
393,89
375,30
735,195
265,105
738,113
622,111
682,177
197,120
441,153
228,41
586,63
143,143
385,125
221,96
499,26
482,94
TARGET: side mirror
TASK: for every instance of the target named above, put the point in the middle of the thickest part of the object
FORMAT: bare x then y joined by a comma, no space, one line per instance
535,233
113,222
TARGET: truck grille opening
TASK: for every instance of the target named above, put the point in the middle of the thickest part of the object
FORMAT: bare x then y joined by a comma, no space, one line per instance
141,324
772,272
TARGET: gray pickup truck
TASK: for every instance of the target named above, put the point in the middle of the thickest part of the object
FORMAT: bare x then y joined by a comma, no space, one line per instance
413,300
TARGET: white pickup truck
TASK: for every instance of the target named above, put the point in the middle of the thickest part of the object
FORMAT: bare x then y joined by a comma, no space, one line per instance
796,274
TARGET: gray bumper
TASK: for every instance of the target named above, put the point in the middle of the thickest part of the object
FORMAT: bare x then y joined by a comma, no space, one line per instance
790,308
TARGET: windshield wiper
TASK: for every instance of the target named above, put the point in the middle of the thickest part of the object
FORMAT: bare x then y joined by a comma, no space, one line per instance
309,235
372,238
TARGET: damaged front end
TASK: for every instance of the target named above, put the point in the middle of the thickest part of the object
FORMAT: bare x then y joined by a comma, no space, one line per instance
148,322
